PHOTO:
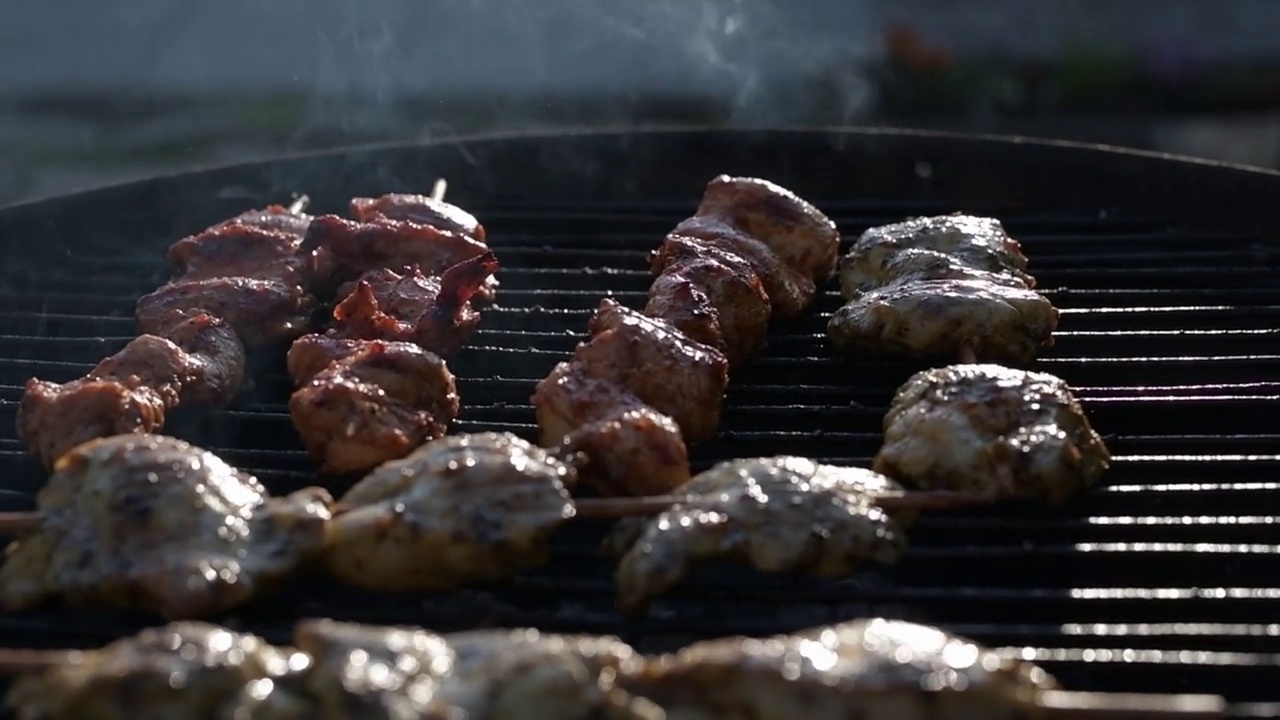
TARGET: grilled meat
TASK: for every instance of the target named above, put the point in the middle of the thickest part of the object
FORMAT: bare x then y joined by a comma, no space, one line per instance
131,391
434,312
260,311
374,405
153,523
993,432
456,510
916,265
874,668
240,249
189,670
421,209
778,514
393,673
973,242
631,449
312,353
275,217
790,292
994,321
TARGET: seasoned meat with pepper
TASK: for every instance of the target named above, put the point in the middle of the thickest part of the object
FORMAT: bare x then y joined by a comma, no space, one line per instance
374,405
404,673
131,391
915,265
979,243
994,322
153,523
631,448
873,668
260,311
778,514
188,670
457,510
993,432
434,312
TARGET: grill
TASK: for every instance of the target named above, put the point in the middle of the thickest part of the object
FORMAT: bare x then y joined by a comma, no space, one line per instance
1163,580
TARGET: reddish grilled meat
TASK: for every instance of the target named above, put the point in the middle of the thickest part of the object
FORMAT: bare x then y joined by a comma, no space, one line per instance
374,405
131,391
434,312
260,311
312,353
239,249
420,209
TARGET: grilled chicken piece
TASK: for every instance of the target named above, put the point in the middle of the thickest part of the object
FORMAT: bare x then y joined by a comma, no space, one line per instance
434,312
241,249
131,391
993,432
190,670
875,668
421,209
374,405
631,449
659,365
260,311
153,523
346,249
915,265
798,233
779,514
391,673
457,510
938,317
714,297
975,242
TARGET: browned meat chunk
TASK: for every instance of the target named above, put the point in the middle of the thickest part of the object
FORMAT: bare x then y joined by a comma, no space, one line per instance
54,418
312,353
374,405
238,249
420,209
790,292
260,311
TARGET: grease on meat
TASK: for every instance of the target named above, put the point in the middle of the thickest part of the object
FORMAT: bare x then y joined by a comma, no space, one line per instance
374,405
457,510
878,669
778,514
154,523
260,311
992,432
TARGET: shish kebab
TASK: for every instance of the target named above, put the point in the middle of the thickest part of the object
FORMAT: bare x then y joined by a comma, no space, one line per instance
645,383
376,385
948,285
874,668
237,283
154,523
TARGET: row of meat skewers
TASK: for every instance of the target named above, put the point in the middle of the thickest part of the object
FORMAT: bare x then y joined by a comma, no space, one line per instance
874,668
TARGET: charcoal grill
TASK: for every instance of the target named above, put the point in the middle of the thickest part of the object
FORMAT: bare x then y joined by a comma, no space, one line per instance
1165,270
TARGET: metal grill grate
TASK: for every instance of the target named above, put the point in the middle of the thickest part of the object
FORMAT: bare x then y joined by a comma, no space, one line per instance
1163,580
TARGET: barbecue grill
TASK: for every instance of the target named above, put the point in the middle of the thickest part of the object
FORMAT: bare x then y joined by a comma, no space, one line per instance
1168,279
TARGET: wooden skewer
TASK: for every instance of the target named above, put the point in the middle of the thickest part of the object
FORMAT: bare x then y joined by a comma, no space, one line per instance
1053,704
19,523
299,204
439,189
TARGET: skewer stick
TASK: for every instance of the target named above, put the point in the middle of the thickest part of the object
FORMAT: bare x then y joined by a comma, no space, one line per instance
299,204
28,662
19,523
439,189
1066,705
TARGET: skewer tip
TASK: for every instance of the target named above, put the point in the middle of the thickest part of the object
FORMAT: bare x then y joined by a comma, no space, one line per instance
18,523
299,204
1065,705
28,662
439,189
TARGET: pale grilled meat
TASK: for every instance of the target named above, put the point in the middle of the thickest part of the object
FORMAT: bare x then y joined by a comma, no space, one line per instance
457,510
132,391
404,673
877,668
188,670
434,312
977,242
992,432
778,514
153,523
996,322
631,448
916,264
374,405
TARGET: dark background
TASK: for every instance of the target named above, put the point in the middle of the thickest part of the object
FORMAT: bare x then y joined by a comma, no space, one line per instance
93,92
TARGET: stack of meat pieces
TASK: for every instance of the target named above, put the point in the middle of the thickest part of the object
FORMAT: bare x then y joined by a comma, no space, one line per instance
375,386
647,382
946,285
239,283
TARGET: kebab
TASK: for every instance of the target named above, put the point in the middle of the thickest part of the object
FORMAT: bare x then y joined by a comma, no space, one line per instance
375,385
645,383
992,432
948,285
876,668
238,283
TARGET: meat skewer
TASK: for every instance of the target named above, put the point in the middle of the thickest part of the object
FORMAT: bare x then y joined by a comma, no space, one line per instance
646,383
877,668
376,385
992,432
948,285
239,283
